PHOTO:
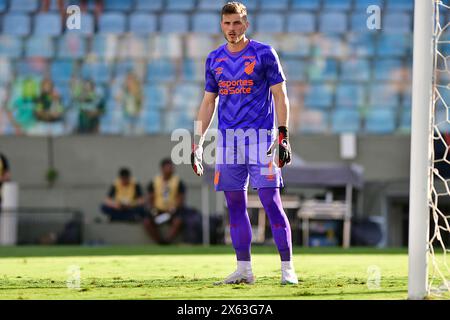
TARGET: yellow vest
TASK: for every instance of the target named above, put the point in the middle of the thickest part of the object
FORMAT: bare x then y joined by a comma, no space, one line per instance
165,192
125,194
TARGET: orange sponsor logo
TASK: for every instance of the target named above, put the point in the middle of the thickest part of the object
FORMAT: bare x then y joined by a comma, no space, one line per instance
216,178
235,87
219,70
221,59
250,67
248,57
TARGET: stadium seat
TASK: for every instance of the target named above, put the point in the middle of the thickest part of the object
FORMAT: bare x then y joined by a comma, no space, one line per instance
112,23
390,44
361,44
152,120
306,4
168,45
301,22
358,22
155,97
31,67
294,46
3,5
98,71
39,46
206,23
143,23
337,4
105,46
251,5
119,5
16,24
23,5
388,69
111,123
178,119
333,22
209,5
294,69
400,4
319,96
383,95
145,5
350,95
174,22
397,22
11,46
5,73
161,70
270,5
193,70
313,122
199,45
47,24
72,46
322,70
355,70
344,121
62,70
405,120
180,5
380,121
86,27
364,4
186,96
270,23
133,47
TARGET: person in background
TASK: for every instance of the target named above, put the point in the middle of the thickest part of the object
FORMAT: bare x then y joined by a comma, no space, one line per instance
48,104
166,195
5,174
125,201
130,100
89,103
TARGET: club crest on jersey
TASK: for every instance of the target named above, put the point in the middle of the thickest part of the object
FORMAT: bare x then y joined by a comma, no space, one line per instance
219,70
250,67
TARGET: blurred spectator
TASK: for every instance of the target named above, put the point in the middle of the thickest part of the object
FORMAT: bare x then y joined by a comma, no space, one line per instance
130,99
166,195
89,103
5,174
48,104
125,201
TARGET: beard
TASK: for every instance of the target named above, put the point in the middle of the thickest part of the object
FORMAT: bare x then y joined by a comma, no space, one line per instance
235,40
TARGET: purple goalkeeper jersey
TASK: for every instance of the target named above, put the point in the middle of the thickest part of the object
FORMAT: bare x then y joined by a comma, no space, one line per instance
242,81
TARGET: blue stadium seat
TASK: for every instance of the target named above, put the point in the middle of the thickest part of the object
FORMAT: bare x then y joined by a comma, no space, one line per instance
134,47
405,120
111,123
337,4
156,97
193,70
161,70
401,4
355,70
270,23
62,70
306,4
11,46
16,24
209,5
31,67
390,44
3,5
294,69
145,5
361,44
206,23
397,22
333,22
383,96
143,23
178,119
105,46
345,121
86,27
71,45
380,121
174,22
23,5
39,46
100,72
187,96
152,120
301,22
350,95
271,5
47,24
322,70
180,5
358,22
319,96
63,89
251,5
364,4
166,45
313,121
295,46
112,23
119,5
5,72
388,69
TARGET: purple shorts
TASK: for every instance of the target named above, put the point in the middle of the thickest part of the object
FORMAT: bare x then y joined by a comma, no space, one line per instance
236,166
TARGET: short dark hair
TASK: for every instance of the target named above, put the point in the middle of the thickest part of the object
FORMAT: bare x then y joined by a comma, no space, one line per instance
124,172
233,8
166,161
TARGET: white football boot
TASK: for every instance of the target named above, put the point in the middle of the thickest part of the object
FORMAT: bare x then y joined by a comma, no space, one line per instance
243,274
288,275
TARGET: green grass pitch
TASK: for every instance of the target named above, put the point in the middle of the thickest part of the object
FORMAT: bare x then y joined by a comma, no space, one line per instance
188,272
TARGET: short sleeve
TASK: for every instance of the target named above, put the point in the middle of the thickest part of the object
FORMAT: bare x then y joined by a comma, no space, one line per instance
210,80
274,71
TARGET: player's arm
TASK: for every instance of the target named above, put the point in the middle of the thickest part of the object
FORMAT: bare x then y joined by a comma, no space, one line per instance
281,101
204,119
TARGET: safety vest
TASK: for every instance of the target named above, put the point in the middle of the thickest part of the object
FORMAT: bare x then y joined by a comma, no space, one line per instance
125,194
165,192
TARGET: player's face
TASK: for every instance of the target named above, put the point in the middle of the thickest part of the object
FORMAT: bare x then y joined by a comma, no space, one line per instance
234,27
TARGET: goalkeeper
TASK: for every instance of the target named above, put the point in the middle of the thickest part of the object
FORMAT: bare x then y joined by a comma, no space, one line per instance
247,77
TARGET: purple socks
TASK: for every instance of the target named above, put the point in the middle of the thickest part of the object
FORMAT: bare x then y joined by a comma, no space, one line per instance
240,228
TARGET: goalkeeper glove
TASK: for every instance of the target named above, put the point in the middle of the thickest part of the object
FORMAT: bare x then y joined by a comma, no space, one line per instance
196,159
284,148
